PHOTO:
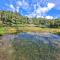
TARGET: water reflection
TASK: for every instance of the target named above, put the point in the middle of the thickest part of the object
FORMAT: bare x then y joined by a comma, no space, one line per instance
45,37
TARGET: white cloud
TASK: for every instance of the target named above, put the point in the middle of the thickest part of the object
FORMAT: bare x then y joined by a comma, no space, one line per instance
51,5
12,7
31,15
19,3
41,11
17,9
23,4
38,10
45,9
49,17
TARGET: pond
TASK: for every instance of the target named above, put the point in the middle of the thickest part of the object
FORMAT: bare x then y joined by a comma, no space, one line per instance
30,45
44,37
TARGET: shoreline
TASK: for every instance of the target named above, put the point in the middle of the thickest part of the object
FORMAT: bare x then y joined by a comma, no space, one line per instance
14,30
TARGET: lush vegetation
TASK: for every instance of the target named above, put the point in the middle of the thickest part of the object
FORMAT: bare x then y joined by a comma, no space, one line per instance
14,19
14,22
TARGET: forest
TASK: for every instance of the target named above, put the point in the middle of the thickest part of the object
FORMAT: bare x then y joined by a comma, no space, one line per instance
11,19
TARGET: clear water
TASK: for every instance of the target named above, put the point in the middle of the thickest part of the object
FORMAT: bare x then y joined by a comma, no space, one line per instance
44,37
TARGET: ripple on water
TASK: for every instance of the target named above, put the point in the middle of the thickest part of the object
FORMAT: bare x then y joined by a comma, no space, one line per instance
45,37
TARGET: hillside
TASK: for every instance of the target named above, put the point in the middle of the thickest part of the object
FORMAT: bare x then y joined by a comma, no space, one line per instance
11,22
8,18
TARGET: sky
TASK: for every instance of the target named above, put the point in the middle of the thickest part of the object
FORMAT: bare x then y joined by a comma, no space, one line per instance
33,8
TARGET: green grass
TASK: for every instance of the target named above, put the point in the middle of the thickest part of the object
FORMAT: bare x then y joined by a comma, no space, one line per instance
2,30
9,30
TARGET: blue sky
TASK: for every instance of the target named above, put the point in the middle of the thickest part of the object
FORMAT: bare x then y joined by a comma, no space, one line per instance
33,8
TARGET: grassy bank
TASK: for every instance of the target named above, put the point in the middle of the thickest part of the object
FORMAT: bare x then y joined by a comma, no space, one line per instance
8,30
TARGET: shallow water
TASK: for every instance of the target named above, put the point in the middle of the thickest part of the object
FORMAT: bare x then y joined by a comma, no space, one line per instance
44,37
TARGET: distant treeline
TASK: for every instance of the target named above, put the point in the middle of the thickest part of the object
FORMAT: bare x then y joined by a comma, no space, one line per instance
8,18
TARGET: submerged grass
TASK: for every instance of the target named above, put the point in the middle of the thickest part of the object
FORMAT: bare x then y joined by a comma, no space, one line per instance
29,50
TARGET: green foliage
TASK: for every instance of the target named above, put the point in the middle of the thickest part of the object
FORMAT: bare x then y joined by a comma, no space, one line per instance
14,19
2,31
